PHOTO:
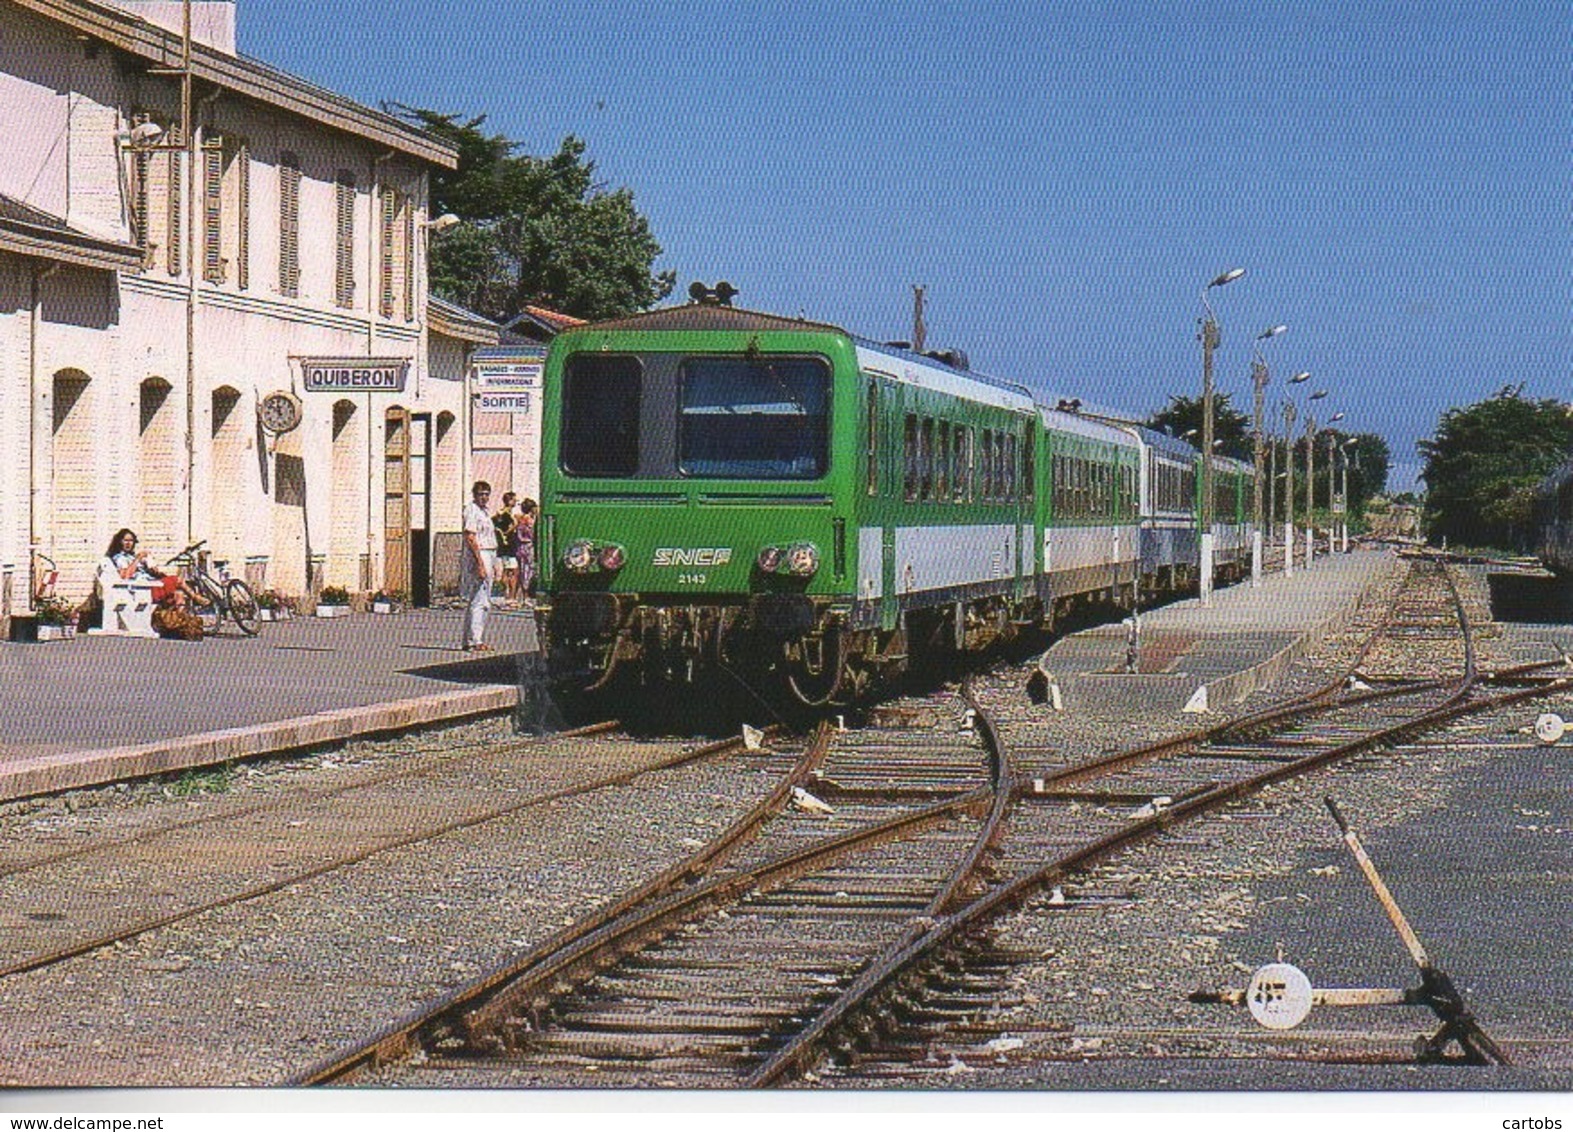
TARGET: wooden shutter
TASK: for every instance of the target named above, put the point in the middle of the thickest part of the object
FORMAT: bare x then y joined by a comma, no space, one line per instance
175,227
289,225
390,211
409,261
213,209
344,229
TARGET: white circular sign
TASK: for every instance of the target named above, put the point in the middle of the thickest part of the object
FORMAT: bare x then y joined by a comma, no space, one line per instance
279,411
1550,727
1279,996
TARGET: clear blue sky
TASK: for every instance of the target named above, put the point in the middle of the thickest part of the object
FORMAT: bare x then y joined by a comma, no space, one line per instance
1062,177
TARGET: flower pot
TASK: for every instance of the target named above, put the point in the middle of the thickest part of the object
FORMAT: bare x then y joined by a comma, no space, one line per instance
53,632
333,610
384,607
268,615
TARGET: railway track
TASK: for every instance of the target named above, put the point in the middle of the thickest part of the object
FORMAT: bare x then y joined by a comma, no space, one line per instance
859,943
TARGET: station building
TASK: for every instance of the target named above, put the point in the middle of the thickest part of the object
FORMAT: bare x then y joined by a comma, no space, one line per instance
214,321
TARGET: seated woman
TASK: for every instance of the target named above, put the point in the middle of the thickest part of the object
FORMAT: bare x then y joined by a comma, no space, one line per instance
129,563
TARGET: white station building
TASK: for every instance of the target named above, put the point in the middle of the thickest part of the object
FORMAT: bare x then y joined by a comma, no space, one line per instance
213,313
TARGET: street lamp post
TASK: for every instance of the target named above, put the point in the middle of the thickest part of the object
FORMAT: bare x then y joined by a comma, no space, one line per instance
1209,337
1343,491
1289,415
1259,386
1310,479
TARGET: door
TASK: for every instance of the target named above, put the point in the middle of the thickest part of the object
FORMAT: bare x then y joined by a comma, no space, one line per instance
396,501
420,473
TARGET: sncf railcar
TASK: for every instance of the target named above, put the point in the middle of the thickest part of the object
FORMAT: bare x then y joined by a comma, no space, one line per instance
1169,545
727,489
1232,519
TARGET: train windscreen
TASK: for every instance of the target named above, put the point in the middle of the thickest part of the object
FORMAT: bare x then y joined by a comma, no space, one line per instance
754,418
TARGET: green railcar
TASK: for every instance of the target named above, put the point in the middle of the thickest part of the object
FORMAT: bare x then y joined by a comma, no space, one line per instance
724,487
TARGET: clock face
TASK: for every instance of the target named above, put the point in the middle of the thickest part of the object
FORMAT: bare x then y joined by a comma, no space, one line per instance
279,412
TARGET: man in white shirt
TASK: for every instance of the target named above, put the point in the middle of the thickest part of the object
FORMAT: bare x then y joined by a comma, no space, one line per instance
475,573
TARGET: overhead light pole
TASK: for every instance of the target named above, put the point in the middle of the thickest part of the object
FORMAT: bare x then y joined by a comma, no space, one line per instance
1289,415
1259,387
1209,337
1310,466
1343,490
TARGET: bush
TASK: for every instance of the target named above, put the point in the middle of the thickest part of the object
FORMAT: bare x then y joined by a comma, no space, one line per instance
54,611
334,595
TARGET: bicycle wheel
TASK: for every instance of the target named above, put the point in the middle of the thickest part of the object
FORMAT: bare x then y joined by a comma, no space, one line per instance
242,606
209,589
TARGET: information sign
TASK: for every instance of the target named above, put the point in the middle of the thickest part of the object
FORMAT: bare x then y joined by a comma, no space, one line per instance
354,375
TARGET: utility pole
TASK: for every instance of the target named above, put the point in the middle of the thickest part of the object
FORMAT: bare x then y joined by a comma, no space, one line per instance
919,331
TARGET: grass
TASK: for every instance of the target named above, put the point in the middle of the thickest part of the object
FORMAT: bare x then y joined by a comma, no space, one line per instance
204,780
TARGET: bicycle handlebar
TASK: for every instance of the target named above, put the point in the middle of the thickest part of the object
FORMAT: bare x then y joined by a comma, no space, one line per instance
199,544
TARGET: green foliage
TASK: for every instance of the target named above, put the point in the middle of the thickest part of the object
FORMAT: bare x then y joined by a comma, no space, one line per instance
207,780
53,610
538,230
1484,463
334,595
1184,414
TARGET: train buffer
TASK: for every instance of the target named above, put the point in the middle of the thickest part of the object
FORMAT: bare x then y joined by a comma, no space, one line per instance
1280,996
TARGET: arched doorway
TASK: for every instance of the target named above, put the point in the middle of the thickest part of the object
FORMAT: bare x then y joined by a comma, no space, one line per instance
228,490
160,484
347,538
77,535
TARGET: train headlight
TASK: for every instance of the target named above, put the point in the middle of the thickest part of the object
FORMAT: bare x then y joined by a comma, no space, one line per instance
802,560
611,557
579,556
769,560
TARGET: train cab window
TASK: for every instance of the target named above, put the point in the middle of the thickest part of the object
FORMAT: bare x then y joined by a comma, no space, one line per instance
926,459
601,401
1010,467
754,418
909,480
942,462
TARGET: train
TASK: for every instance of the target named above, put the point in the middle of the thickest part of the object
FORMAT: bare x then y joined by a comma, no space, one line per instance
727,490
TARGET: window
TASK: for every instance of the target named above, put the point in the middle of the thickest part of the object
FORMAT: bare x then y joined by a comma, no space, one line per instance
344,240
986,459
754,418
601,401
872,441
1010,467
909,461
961,464
1029,471
942,462
926,459
289,225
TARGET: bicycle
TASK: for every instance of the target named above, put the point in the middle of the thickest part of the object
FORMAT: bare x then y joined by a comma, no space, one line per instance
226,596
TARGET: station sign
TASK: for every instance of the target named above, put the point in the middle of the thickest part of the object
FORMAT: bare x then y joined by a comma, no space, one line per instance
508,384
503,402
354,375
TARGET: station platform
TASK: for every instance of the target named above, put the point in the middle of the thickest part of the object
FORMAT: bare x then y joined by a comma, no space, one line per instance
96,710
1214,655
99,709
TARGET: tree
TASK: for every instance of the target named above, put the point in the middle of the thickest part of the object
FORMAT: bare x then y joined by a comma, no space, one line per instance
1183,415
1484,463
538,230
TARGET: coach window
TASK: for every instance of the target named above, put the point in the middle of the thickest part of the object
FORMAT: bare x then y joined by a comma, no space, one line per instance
1012,483
873,437
942,462
961,439
909,481
926,459
601,395
1029,469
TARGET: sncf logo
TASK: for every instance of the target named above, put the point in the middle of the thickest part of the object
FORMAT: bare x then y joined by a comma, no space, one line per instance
692,556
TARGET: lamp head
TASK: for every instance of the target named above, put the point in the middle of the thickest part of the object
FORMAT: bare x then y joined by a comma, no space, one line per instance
1298,378
1271,332
1335,418
1227,277
144,134
442,223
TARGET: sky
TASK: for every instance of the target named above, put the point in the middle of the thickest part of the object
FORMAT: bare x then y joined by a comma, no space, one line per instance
1062,178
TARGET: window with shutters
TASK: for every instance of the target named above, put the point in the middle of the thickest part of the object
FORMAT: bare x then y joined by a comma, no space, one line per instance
344,229
141,177
213,261
386,251
289,225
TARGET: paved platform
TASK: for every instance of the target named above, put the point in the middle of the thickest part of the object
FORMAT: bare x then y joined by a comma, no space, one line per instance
99,709
1246,638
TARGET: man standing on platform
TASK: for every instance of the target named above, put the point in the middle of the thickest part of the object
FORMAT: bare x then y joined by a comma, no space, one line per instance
475,574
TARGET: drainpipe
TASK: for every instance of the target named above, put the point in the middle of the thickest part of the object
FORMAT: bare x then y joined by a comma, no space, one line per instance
35,317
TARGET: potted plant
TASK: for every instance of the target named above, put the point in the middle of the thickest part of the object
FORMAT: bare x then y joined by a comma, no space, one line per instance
334,601
384,601
54,619
274,606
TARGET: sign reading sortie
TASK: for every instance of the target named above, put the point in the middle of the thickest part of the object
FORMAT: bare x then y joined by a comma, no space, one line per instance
353,375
